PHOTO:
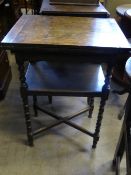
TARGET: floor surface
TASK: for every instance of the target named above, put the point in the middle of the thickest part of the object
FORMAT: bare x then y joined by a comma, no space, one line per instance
62,150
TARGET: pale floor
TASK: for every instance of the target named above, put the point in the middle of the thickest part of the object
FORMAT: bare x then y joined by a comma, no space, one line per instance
62,150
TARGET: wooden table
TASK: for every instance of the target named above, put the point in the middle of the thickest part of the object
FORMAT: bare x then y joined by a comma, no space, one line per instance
59,37
43,33
124,142
65,38
73,10
122,9
125,25
7,19
123,22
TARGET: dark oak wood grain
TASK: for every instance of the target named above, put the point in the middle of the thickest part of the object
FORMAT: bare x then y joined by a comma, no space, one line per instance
64,31
75,2
73,10
60,78
75,40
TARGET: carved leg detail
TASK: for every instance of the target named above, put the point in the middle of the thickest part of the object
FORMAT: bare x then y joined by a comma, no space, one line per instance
99,121
35,105
27,119
91,105
120,148
88,100
23,90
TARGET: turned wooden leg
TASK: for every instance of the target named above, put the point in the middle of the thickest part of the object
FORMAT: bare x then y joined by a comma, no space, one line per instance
105,91
27,118
99,121
50,99
90,102
35,105
119,151
23,90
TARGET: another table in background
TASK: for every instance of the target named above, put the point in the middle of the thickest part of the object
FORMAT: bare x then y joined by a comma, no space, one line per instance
124,142
8,16
120,10
124,21
73,10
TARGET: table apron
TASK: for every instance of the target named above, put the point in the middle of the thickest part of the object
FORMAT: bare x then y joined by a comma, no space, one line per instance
79,57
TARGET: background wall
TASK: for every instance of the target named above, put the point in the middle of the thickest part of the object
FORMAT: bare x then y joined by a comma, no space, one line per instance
112,4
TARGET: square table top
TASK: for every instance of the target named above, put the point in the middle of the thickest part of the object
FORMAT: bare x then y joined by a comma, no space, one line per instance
65,31
47,8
